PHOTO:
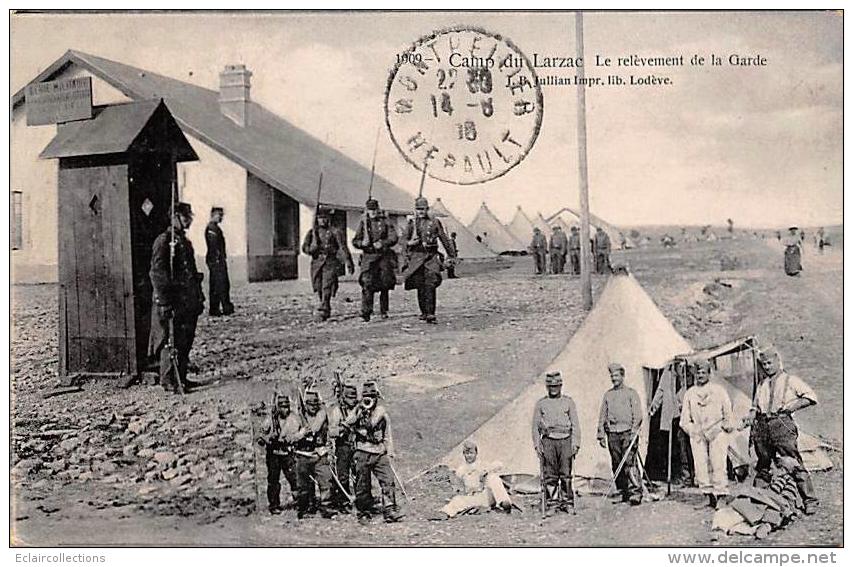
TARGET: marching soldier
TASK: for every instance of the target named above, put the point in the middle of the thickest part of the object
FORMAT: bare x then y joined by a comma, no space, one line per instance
373,452
177,297
279,425
312,459
451,266
217,266
539,249
618,425
376,238
342,419
556,438
424,263
326,245
558,248
774,431
575,251
601,247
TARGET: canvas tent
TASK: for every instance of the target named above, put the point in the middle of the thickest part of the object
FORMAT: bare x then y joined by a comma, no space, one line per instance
521,227
540,222
467,246
625,326
493,234
735,368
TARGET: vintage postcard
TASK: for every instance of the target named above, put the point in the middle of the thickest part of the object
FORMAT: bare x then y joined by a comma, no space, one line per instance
426,278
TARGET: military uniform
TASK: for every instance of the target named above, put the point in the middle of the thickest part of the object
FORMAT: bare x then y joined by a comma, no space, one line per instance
618,421
376,238
556,438
177,296
575,251
423,262
342,419
373,445
539,249
217,267
601,246
558,247
311,457
279,454
326,246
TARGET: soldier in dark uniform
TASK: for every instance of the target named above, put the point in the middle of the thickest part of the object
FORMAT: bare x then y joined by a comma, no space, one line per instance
556,438
312,459
342,419
451,266
423,262
601,246
326,246
575,251
279,425
558,248
177,298
373,451
217,266
539,249
376,238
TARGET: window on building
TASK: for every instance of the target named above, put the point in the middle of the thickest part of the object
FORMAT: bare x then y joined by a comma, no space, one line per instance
285,222
16,221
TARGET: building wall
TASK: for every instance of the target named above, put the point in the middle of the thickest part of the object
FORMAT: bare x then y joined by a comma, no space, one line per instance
36,261
214,180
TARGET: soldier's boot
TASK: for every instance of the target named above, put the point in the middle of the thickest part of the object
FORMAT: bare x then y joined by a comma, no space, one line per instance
366,305
567,496
383,304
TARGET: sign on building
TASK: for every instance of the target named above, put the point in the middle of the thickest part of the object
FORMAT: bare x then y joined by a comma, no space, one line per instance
52,102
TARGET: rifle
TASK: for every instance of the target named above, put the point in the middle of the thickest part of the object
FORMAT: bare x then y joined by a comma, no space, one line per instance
275,425
173,352
423,180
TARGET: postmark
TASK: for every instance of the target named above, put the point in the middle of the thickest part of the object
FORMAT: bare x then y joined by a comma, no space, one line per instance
465,103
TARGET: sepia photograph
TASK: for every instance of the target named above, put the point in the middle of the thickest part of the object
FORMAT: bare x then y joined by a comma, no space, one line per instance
426,278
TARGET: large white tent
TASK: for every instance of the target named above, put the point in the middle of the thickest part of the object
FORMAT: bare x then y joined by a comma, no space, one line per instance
493,233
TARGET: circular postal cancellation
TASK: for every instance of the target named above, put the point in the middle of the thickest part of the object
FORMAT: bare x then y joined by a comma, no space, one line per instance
465,103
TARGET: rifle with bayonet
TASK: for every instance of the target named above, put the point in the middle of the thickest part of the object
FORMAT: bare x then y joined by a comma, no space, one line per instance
173,351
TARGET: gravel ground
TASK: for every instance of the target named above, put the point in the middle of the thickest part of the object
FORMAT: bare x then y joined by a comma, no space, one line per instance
110,465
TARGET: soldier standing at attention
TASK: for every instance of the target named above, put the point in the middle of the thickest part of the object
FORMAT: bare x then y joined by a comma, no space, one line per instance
342,419
559,246
312,460
618,424
376,238
217,266
601,245
178,298
373,451
556,438
539,249
575,251
451,266
279,425
326,245
424,263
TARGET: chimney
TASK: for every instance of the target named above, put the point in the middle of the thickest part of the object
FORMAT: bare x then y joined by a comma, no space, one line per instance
234,100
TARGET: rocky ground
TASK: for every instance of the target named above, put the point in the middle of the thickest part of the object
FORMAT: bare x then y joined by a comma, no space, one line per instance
136,466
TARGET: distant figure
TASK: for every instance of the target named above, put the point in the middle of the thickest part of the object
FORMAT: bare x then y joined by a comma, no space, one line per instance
558,248
451,266
821,239
779,236
575,251
539,249
601,246
217,265
793,252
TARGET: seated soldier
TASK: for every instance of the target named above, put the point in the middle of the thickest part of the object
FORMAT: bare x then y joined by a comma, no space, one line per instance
483,489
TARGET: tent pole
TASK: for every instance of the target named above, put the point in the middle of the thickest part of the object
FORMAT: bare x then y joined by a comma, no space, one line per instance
583,177
669,463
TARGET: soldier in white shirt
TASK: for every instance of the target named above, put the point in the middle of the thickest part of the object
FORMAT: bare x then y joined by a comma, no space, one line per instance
706,416
774,431
483,489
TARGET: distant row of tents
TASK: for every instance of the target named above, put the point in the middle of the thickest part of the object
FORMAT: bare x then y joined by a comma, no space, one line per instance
486,237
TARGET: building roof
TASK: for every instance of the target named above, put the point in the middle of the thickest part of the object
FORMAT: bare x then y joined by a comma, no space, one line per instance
116,129
270,147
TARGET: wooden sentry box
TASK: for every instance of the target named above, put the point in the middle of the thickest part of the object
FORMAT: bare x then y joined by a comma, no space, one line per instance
115,186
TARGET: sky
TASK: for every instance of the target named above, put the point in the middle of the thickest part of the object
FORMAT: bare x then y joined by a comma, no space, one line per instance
759,145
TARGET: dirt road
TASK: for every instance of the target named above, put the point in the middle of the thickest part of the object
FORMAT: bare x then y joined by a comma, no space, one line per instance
103,477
